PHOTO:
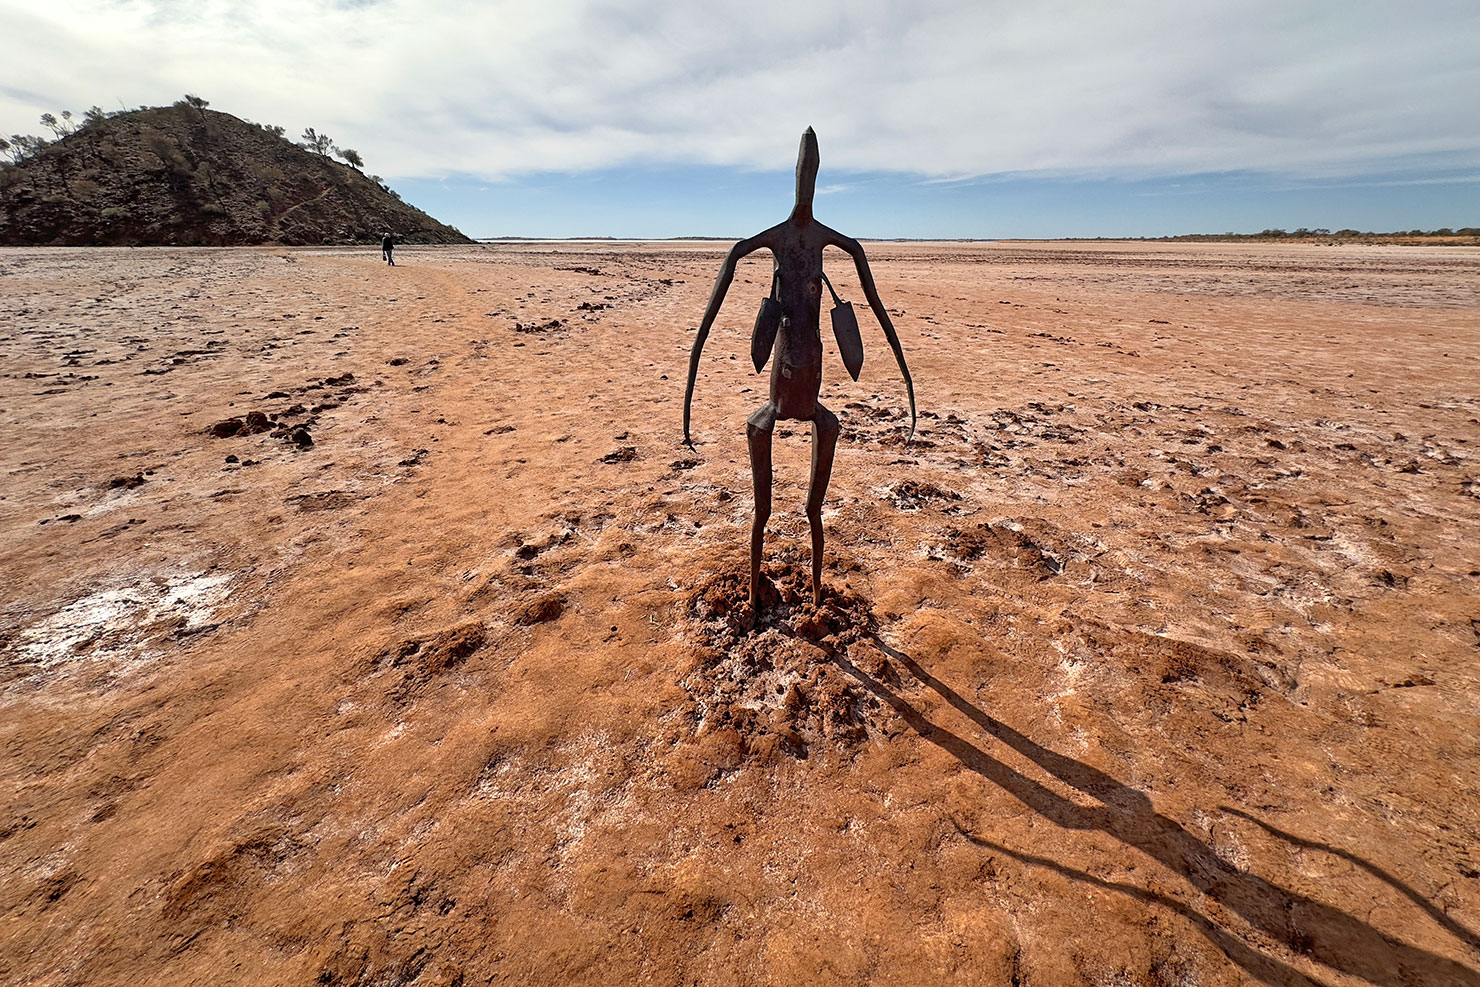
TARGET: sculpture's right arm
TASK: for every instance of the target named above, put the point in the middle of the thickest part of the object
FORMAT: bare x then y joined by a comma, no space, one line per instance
870,292
716,299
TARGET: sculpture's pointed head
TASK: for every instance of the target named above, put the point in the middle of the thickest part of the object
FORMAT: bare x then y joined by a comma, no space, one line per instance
807,164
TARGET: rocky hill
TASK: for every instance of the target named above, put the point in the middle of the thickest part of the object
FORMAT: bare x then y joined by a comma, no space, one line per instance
191,176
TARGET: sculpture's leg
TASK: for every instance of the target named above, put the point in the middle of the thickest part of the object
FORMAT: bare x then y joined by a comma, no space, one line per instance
758,435
824,442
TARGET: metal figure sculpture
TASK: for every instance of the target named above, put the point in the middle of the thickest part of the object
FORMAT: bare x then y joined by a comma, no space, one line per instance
787,327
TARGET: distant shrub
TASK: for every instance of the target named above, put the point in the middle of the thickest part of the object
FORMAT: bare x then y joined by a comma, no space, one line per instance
114,212
264,208
274,129
196,103
351,157
213,209
24,146
61,128
317,142
164,148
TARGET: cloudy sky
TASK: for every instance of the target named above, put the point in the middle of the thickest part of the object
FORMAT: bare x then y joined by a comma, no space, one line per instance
962,118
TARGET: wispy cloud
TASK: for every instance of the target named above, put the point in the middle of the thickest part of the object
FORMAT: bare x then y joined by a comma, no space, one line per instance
1387,182
951,89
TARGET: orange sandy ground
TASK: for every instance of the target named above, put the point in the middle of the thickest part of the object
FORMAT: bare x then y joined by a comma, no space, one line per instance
1160,666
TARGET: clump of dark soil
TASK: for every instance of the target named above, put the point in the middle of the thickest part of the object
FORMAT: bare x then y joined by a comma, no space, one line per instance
298,435
1002,545
539,328
422,659
782,683
252,424
437,653
911,495
540,610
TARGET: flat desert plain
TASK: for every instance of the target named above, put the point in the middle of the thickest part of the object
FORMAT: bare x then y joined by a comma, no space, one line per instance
369,625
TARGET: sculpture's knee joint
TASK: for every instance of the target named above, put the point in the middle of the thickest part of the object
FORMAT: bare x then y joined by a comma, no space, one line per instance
762,419
827,424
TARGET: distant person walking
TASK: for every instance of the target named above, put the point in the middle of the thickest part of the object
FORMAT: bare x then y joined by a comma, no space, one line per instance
388,244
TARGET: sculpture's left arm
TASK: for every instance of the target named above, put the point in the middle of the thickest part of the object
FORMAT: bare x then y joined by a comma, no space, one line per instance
716,299
866,279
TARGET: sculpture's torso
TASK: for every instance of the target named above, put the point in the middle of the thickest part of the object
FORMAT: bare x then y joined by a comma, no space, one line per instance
796,360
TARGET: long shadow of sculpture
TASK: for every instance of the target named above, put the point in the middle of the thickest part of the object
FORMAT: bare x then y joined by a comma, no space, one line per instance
1311,928
1449,925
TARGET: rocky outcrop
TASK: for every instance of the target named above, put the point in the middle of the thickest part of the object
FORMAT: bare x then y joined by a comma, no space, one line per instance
185,176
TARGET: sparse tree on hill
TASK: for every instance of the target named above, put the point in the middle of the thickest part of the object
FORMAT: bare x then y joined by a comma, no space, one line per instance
23,146
167,151
316,142
94,115
351,157
199,104
49,121
274,129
